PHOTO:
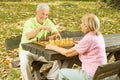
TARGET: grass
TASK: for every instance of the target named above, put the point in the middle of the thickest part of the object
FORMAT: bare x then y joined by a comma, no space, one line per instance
65,14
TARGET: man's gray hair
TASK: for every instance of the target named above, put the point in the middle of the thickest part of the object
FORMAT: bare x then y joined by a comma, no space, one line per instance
42,6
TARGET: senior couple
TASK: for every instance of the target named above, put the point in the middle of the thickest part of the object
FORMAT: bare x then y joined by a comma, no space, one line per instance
90,49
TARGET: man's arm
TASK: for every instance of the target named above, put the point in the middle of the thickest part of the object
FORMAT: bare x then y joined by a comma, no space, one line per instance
55,33
33,33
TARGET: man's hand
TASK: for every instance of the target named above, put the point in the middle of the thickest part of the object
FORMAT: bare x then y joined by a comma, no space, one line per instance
55,36
46,28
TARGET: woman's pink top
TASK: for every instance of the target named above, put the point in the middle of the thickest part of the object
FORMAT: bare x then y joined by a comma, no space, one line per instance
91,52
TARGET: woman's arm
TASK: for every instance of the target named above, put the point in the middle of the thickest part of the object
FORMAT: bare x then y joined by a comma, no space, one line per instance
66,52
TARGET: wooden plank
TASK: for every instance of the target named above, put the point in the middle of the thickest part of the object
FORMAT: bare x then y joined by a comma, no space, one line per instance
69,34
12,42
112,42
36,49
68,63
107,70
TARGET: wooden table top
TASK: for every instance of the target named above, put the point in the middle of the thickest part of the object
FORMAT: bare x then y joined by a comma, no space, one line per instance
112,42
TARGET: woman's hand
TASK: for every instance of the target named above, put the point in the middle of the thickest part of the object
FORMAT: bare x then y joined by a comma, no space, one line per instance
49,46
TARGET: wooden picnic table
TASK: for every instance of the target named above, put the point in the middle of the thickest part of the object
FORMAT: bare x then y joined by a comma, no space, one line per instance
112,42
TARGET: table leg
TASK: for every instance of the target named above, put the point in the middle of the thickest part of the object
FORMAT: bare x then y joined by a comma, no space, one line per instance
117,55
110,55
70,62
36,65
66,64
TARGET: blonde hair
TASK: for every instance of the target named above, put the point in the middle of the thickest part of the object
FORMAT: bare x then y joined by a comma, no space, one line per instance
92,22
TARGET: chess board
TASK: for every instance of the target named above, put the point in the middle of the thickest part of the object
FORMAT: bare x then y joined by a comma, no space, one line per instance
66,42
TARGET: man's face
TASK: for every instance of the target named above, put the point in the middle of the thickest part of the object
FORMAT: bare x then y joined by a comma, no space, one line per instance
42,15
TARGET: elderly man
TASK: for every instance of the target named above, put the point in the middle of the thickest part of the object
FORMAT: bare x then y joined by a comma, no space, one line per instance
37,28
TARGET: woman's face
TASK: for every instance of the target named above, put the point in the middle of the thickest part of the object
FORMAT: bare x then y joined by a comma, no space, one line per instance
42,15
84,28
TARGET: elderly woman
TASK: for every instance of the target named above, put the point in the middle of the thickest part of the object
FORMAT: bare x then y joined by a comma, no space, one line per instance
34,28
90,51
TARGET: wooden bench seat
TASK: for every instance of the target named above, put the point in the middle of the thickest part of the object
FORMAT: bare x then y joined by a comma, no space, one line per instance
108,70
12,42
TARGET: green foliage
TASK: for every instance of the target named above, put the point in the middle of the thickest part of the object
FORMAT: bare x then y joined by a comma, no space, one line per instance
15,74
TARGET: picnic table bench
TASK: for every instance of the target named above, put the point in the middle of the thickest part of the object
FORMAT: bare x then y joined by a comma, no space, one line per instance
112,48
